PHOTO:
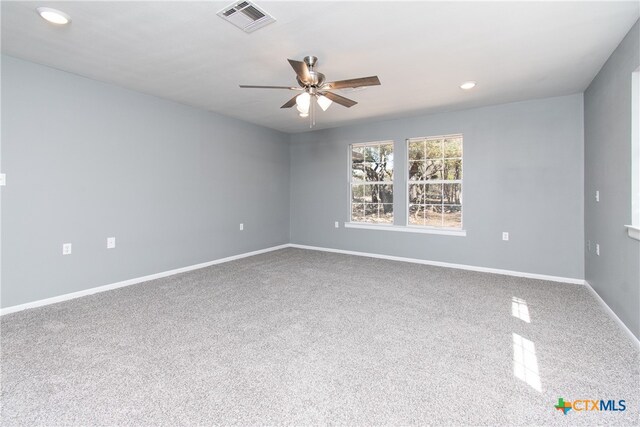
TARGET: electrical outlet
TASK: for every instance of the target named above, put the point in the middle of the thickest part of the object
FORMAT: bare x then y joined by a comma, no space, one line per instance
241,227
598,249
505,235
337,224
597,195
111,242
66,249
3,180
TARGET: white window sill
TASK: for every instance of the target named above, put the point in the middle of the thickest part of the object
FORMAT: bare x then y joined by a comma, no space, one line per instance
634,231
406,229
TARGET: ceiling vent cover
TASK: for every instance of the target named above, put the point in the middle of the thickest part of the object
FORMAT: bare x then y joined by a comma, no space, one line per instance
246,15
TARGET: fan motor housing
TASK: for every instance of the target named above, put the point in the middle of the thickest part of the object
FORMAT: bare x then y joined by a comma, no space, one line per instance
316,79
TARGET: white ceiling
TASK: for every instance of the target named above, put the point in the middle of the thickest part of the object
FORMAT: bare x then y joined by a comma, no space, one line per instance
421,51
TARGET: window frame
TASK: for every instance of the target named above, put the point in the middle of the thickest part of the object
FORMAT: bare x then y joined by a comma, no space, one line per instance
350,183
633,229
408,182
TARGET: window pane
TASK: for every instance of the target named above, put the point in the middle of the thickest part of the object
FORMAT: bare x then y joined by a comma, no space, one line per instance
357,172
453,216
416,194
386,213
433,216
416,171
453,169
416,150
434,148
416,215
372,153
434,169
377,172
357,155
385,193
452,194
357,193
386,150
388,170
371,212
369,192
370,172
433,193
386,160
357,212
453,147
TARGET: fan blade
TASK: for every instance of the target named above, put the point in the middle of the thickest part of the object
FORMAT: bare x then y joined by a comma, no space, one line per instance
362,81
301,70
290,103
270,87
346,102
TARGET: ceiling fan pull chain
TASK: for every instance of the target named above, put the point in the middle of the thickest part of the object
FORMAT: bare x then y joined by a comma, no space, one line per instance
312,116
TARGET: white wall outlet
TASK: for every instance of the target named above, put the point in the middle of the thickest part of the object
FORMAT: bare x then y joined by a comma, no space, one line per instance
66,249
598,249
505,235
3,179
111,242
336,224
241,227
597,195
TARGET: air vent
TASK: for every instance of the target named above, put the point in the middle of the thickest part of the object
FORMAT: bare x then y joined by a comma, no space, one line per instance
246,15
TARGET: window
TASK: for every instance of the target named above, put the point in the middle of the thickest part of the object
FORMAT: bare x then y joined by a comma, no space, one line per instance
435,181
371,181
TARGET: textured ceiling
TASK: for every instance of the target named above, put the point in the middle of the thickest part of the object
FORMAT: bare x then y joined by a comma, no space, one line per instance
421,51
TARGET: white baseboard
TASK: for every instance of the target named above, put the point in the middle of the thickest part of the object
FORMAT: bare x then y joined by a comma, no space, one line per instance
448,265
91,291
85,292
613,315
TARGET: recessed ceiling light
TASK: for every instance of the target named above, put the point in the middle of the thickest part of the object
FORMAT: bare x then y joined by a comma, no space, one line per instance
53,15
468,85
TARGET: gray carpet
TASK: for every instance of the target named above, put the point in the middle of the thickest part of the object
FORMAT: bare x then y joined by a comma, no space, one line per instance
304,337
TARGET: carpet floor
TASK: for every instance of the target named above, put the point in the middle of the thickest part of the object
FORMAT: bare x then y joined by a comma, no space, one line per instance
303,337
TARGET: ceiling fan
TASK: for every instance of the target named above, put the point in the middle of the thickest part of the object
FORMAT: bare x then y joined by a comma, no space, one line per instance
314,86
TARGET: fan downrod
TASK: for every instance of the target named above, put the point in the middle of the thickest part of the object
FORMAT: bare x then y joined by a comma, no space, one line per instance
316,78
311,61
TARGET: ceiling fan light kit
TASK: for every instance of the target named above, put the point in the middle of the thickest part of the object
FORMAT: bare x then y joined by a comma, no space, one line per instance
303,101
324,102
315,88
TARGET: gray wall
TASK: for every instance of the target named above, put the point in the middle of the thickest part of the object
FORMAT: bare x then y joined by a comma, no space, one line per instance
87,160
615,274
523,173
